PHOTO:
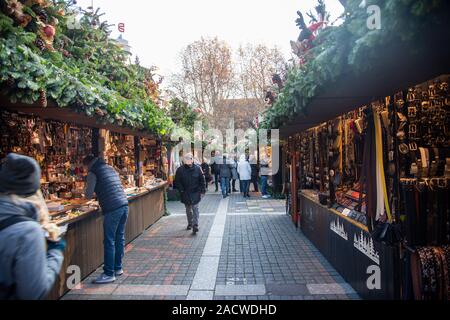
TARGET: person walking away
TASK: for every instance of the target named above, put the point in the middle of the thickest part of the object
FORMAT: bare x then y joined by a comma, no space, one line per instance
245,174
255,173
215,163
234,173
105,182
28,269
265,173
190,182
225,175
206,173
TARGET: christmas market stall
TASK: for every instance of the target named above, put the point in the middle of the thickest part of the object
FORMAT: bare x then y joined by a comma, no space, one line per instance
368,147
67,90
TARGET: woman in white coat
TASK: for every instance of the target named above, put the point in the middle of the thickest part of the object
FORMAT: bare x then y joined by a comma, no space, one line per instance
245,174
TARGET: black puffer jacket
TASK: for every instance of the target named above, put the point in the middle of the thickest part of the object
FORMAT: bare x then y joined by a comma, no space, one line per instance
190,181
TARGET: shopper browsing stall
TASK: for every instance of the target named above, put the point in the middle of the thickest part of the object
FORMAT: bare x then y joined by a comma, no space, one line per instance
27,269
105,182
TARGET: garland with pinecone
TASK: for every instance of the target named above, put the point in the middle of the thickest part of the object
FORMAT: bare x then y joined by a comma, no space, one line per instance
54,50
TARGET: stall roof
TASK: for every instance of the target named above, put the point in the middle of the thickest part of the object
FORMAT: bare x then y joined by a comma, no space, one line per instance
396,71
69,115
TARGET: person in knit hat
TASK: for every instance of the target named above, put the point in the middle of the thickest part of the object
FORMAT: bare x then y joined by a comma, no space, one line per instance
28,265
21,177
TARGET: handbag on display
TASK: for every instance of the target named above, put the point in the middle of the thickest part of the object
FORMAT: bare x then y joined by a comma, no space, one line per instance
386,232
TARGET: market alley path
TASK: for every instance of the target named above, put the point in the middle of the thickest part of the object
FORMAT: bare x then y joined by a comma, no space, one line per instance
245,249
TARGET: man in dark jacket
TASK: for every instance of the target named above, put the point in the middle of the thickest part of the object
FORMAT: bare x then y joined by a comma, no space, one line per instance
27,269
225,176
190,182
105,182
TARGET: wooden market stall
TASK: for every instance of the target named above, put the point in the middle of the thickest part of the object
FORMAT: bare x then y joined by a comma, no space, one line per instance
330,189
59,139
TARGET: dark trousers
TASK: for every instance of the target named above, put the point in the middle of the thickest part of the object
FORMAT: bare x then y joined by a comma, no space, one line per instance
216,180
233,183
245,186
255,183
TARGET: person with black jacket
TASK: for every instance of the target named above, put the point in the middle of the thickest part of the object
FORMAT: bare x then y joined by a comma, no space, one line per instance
104,181
225,176
206,172
190,182
215,162
255,173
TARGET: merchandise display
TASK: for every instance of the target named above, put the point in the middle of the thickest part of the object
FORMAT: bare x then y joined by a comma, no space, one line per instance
59,149
120,154
150,161
386,167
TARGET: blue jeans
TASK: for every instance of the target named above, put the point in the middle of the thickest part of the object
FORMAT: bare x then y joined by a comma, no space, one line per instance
114,240
245,186
224,185
264,185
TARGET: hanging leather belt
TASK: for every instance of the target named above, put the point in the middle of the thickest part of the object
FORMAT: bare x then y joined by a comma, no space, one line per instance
434,161
414,168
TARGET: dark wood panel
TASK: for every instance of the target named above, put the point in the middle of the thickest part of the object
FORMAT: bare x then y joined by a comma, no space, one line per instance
84,249
341,253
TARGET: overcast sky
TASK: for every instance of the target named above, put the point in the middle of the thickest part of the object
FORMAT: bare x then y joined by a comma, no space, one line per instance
157,30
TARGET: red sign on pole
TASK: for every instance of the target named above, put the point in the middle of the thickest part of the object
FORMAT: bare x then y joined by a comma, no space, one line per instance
121,27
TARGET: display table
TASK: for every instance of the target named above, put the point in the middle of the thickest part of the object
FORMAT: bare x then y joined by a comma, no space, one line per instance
349,248
85,234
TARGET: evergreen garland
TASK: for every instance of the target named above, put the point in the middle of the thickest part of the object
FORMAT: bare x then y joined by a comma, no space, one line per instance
352,47
78,67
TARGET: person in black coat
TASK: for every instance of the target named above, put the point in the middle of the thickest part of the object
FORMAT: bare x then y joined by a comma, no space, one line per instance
190,182
255,173
215,163
225,176
206,172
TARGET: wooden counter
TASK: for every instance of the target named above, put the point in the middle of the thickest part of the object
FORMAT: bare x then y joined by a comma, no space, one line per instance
85,234
350,249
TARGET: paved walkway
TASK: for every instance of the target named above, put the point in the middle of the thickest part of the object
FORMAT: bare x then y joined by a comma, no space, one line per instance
245,249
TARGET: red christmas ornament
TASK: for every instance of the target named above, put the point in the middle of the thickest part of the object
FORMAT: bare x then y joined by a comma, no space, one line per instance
49,31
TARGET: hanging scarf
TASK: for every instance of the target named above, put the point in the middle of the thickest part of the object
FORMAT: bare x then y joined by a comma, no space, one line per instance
382,206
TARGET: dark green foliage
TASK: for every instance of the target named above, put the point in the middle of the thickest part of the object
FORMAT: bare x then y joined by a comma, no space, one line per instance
352,47
86,70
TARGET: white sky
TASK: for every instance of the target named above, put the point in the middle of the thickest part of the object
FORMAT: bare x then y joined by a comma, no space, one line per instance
158,30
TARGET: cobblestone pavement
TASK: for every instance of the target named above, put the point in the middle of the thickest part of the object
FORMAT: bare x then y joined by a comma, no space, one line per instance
245,249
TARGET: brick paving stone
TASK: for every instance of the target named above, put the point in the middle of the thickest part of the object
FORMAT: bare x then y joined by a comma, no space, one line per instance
261,249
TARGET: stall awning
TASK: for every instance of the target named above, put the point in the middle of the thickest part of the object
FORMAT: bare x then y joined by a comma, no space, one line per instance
69,115
397,70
